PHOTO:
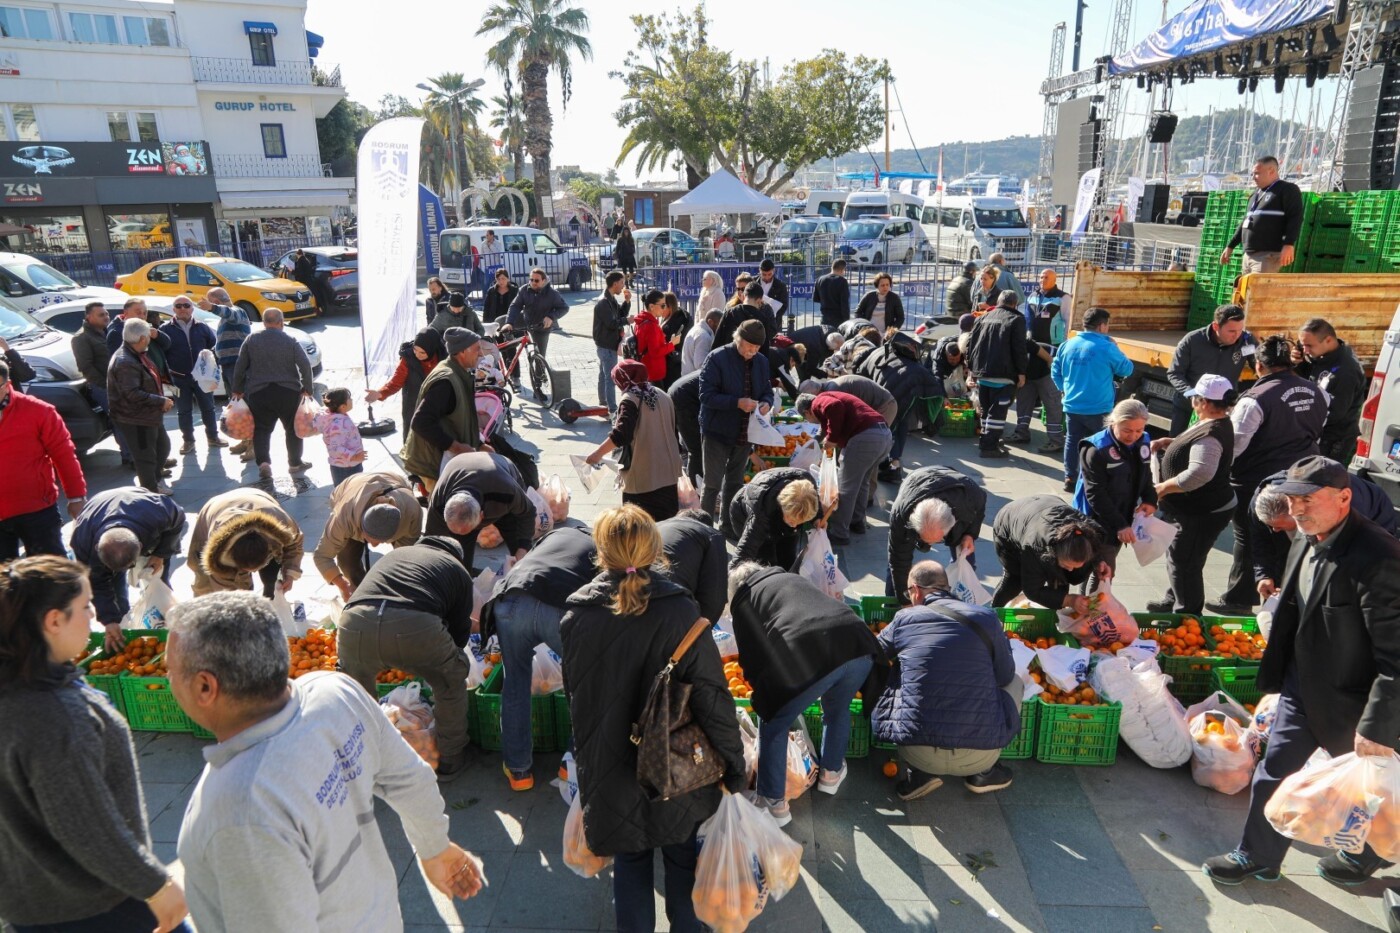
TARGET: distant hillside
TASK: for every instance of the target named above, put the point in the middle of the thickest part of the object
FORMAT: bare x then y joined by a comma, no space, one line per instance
1020,155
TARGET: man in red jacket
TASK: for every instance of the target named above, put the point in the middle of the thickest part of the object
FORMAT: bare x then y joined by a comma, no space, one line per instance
37,445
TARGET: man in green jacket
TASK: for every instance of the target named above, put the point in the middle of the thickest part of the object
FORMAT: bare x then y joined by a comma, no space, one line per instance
444,423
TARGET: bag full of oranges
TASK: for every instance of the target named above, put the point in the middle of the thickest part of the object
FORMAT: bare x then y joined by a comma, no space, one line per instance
744,860
413,717
1222,758
1342,803
577,855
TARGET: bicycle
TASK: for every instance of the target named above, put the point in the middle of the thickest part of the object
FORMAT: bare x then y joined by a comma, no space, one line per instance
535,364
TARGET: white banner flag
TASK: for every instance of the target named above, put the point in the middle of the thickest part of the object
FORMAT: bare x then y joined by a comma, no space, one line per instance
387,201
1136,187
994,187
1084,201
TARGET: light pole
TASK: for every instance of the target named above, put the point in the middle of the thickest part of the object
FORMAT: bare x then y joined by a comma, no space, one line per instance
455,100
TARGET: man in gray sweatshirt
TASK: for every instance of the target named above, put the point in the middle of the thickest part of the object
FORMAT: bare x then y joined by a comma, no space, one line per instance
273,373
280,832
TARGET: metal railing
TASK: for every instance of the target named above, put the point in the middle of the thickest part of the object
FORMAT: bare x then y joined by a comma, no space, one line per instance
243,71
257,165
103,267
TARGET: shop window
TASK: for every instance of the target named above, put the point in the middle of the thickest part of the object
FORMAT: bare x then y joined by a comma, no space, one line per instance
94,27
45,234
261,45
274,141
24,23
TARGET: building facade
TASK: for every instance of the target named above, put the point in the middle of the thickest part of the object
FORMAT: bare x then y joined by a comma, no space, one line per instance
131,125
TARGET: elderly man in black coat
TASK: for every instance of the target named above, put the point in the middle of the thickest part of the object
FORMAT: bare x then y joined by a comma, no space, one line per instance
935,504
477,489
1334,659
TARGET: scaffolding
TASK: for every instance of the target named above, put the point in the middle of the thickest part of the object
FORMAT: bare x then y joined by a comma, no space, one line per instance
1044,206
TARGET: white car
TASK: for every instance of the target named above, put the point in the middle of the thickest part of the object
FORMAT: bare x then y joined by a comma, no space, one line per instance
68,318
1378,451
879,241
31,284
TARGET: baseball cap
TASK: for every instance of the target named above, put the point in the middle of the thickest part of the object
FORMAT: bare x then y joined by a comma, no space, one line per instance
1310,474
1216,388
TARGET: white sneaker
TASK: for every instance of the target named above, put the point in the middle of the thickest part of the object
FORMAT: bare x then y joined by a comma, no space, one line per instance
830,781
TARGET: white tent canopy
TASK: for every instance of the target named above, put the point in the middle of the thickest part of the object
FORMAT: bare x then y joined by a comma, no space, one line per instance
722,193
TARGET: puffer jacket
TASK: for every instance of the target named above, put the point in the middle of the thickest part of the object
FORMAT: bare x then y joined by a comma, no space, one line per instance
226,518
946,689
791,634
755,509
898,367
610,662
1022,533
998,348
943,367
133,393
963,496
1114,479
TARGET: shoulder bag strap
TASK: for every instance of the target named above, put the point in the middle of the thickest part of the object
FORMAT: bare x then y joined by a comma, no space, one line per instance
701,625
986,639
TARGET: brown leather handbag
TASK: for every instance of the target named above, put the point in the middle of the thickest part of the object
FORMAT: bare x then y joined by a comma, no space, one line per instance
674,755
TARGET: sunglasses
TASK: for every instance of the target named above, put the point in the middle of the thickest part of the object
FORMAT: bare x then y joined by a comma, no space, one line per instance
535,279
185,304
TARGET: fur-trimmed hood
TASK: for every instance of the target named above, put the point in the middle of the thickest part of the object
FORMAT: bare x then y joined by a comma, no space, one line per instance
280,535
222,521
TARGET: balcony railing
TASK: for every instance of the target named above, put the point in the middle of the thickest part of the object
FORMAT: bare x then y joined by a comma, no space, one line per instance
257,165
243,71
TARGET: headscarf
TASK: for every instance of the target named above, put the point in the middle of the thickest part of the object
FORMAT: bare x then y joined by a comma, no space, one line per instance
710,282
431,341
631,377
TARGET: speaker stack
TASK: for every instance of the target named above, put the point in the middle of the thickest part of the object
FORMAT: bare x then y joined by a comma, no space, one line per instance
1368,156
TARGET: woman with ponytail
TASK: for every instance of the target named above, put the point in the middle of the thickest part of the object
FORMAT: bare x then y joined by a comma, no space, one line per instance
1045,548
618,633
75,851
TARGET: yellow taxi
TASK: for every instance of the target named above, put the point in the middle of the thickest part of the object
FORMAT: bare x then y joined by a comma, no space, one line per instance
252,289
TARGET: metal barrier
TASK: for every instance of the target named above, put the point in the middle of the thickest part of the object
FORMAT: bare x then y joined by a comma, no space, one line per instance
103,267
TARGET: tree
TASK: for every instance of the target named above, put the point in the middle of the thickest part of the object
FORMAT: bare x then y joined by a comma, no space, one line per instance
338,135
452,109
687,99
507,123
591,190
535,37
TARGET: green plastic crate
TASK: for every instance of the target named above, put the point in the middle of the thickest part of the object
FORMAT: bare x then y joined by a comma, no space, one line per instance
1230,624
876,609
1023,746
151,707
858,745
563,720
487,735
1077,735
1239,682
110,684
1030,622
1191,681
959,419
383,690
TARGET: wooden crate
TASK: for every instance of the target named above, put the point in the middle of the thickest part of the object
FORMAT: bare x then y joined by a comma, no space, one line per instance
1138,301
1360,306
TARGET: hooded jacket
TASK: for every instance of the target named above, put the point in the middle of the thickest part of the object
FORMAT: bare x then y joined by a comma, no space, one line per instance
37,448
755,509
966,499
226,518
157,523
428,576
790,635
898,367
1023,534
610,661
349,503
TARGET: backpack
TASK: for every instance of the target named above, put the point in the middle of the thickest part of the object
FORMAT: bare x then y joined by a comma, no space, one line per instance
629,349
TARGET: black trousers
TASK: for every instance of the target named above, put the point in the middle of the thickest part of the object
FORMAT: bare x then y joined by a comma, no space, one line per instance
150,448
272,405
38,531
1187,555
1240,589
660,504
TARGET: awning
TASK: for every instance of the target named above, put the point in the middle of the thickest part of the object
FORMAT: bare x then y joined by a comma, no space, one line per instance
250,27
314,43
292,197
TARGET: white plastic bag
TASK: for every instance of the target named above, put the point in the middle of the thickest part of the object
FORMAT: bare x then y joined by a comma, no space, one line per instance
723,632
963,583
686,495
577,855
304,421
761,430
153,605
819,565
546,673
568,785
748,734
744,860
806,456
1022,655
1065,667
1265,618
482,588
206,372
1262,724
1219,702
1222,758
543,520
1140,650
413,717
828,483
558,496
1151,537
588,474
280,605
1152,721
475,657
802,765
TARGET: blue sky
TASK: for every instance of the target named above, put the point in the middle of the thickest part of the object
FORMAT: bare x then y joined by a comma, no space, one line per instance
965,71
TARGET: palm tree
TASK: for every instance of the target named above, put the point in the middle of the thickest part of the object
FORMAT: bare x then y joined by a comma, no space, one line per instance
452,107
506,120
533,37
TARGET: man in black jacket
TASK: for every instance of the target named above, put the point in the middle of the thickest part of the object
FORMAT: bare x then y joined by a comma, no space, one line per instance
412,611
698,561
609,318
997,357
1330,363
1221,348
751,308
536,308
775,291
1333,657
935,504
1271,224
188,337
685,399
733,383
833,294
477,489
524,612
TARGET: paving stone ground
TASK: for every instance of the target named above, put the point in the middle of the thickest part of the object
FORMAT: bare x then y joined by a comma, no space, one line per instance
1072,849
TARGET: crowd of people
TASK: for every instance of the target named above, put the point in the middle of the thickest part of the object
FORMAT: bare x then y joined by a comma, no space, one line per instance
281,823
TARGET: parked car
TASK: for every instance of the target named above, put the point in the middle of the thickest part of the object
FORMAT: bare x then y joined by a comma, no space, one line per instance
878,241
659,246
251,288
30,284
804,239
1378,451
56,377
337,266
68,318
516,249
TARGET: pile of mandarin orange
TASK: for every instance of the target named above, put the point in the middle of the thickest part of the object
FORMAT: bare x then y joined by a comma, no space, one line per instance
1243,645
314,651
142,656
738,686
392,675
1184,641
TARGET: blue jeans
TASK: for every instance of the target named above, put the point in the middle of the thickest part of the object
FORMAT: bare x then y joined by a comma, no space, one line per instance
634,901
130,916
522,622
99,395
190,392
836,690
1078,427
341,474
607,390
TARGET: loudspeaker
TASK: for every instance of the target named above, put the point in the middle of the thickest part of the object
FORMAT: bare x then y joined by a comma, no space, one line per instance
1090,144
1162,127
1152,209
1368,153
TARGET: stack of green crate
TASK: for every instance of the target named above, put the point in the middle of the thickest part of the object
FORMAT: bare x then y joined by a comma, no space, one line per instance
1215,283
1326,235
1388,247
1370,222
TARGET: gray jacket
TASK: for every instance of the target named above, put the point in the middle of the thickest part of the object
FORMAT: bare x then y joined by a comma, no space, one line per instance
272,357
1200,353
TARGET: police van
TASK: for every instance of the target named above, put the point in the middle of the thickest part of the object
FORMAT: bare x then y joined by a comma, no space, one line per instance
470,256
969,228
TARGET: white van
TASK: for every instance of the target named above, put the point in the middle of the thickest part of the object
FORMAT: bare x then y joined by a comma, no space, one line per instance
1378,451
971,228
31,284
825,203
517,249
882,204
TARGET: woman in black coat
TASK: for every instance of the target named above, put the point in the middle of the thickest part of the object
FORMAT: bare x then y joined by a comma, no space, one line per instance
618,633
769,513
674,325
499,297
882,306
1045,547
625,253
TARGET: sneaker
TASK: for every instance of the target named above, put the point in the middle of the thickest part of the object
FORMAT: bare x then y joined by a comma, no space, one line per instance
830,781
1341,868
265,470
1221,607
1069,484
241,447
994,453
519,780
997,777
217,442
187,447
1161,605
1019,438
447,771
917,784
1050,447
1234,868
777,809
299,467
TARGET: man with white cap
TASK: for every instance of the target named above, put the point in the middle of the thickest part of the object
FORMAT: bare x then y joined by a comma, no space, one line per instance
444,422
365,510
